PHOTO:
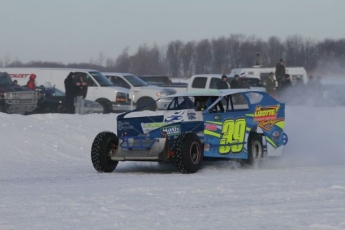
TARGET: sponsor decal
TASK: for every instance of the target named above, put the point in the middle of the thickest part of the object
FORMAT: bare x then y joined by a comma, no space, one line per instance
175,117
171,130
22,75
147,127
124,125
265,113
191,115
267,125
275,135
211,127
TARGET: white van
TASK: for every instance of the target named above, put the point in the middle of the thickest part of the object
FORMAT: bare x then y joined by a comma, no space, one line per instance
262,73
100,89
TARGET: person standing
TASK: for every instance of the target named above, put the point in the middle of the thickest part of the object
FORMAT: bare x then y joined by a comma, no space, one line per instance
70,92
271,85
280,72
31,83
243,81
235,83
223,83
81,94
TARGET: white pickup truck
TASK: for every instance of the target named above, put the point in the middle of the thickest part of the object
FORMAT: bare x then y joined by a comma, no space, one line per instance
140,92
209,81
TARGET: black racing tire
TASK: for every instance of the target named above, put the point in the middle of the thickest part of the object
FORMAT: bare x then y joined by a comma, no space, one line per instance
189,153
106,106
102,146
255,151
144,101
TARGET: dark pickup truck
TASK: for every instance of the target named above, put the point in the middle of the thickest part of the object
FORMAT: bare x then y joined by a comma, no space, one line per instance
16,99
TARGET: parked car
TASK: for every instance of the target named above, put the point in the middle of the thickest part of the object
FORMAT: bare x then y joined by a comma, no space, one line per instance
16,99
53,100
233,124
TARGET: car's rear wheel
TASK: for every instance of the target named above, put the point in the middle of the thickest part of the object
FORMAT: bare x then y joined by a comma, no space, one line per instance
103,146
255,151
189,153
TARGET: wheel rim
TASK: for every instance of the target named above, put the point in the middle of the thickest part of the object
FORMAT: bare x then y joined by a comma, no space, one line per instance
257,150
194,152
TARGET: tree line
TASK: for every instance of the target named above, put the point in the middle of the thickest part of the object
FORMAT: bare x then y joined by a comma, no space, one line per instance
218,55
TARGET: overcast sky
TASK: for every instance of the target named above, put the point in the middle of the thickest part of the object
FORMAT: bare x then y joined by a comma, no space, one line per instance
78,30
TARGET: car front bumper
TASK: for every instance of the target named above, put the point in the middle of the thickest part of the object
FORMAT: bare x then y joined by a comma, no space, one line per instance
121,107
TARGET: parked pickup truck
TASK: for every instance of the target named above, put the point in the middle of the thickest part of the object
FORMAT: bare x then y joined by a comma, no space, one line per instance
16,99
140,92
210,81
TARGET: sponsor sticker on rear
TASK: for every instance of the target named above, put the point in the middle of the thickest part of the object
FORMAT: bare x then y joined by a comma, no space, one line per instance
171,130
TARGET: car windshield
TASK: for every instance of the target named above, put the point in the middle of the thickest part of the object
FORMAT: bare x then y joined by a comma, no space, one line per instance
101,79
135,81
5,79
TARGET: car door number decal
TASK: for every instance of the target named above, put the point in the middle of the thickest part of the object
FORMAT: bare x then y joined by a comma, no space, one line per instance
233,131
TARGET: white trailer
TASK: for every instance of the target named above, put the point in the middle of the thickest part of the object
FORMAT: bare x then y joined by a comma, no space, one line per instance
263,72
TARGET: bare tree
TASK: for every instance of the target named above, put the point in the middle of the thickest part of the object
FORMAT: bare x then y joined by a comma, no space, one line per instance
250,46
187,58
275,50
294,47
123,62
235,42
220,50
146,61
173,57
203,57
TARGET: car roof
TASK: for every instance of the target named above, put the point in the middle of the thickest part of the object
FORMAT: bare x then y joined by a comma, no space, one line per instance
207,93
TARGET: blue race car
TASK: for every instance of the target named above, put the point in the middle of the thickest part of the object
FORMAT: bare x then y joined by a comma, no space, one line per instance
234,124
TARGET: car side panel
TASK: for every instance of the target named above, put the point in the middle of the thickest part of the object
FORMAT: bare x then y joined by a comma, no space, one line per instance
226,134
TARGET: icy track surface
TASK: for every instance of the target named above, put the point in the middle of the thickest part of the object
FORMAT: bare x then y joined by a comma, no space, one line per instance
47,180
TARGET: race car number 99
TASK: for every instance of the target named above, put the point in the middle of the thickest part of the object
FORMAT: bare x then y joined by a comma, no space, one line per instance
233,132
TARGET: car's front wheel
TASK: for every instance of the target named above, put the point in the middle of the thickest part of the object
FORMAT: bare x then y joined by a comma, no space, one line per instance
104,144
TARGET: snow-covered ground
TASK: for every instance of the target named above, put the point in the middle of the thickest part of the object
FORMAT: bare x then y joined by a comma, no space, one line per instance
47,180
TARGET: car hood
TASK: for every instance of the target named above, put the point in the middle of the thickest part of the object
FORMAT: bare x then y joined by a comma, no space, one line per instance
120,89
